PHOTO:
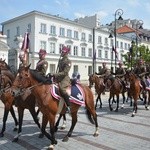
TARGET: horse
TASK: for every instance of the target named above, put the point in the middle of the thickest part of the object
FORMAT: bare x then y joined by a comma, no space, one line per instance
99,87
134,90
116,87
9,100
27,78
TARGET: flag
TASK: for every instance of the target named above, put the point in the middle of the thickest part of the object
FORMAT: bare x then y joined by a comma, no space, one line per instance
25,44
116,53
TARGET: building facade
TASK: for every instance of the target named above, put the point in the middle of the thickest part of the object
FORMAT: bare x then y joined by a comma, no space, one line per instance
51,32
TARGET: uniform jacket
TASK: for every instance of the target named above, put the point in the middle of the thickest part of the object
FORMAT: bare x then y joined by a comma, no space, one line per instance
42,66
62,76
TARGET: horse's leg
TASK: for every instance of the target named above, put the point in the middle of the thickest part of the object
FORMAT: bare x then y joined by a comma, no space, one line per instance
5,116
123,95
74,121
100,101
20,116
52,131
113,101
109,100
96,101
14,117
34,115
146,100
134,107
117,103
57,122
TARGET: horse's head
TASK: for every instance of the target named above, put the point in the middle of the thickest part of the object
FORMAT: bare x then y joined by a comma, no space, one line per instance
130,76
91,80
22,80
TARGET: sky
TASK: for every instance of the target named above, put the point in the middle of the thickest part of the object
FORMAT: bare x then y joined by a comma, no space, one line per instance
72,9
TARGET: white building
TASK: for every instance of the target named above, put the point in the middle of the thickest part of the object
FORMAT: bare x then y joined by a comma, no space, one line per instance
51,32
4,48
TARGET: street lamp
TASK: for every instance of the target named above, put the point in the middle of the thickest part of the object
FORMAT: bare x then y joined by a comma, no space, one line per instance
118,12
138,26
133,38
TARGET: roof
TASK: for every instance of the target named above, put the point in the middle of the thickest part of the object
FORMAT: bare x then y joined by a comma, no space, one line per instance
127,29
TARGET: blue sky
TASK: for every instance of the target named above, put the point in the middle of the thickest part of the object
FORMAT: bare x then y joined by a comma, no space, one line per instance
72,9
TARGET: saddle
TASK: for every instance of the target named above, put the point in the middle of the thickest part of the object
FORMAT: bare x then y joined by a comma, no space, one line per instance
75,91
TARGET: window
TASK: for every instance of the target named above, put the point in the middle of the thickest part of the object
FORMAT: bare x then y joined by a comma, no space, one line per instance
43,28
62,32
125,45
83,51
52,68
106,41
117,44
76,34
90,38
99,53
90,52
69,33
111,42
43,45
83,37
121,45
18,31
53,30
75,68
52,48
75,51
106,54
99,39
60,47
8,33
29,27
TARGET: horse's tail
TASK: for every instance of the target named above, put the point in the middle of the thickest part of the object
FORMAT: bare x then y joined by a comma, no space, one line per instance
90,118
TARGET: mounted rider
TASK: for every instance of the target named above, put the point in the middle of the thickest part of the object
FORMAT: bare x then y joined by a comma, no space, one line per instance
140,71
120,72
62,76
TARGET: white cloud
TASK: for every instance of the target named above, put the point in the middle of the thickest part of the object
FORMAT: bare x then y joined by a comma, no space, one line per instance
79,15
134,3
102,14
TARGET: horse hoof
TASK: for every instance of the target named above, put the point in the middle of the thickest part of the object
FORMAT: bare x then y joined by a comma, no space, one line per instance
51,147
132,115
1,134
41,135
15,129
63,128
95,134
116,110
15,140
65,139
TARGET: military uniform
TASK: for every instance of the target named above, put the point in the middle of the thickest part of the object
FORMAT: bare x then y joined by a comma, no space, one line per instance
103,72
120,72
42,66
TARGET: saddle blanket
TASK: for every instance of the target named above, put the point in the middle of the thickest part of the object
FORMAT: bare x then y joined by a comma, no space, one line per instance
77,95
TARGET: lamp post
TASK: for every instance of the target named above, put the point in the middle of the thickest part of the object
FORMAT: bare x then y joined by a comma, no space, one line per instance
138,26
94,52
118,12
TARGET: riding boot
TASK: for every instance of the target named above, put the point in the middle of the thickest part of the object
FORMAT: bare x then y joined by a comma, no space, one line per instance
67,101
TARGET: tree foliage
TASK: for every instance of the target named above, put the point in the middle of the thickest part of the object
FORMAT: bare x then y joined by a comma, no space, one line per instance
135,53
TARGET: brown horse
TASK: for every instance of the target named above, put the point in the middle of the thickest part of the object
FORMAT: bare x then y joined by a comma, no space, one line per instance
116,87
49,105
99,87
6,78
134,90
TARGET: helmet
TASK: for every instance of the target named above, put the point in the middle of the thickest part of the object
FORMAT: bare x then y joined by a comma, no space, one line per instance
120,63
65,49
42,52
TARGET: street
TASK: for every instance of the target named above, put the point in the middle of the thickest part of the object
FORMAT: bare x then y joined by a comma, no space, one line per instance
117,131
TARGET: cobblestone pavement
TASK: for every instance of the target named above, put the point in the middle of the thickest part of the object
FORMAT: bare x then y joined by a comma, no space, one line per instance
118,131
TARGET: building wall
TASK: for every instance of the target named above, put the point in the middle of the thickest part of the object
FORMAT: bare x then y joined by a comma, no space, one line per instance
84,63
